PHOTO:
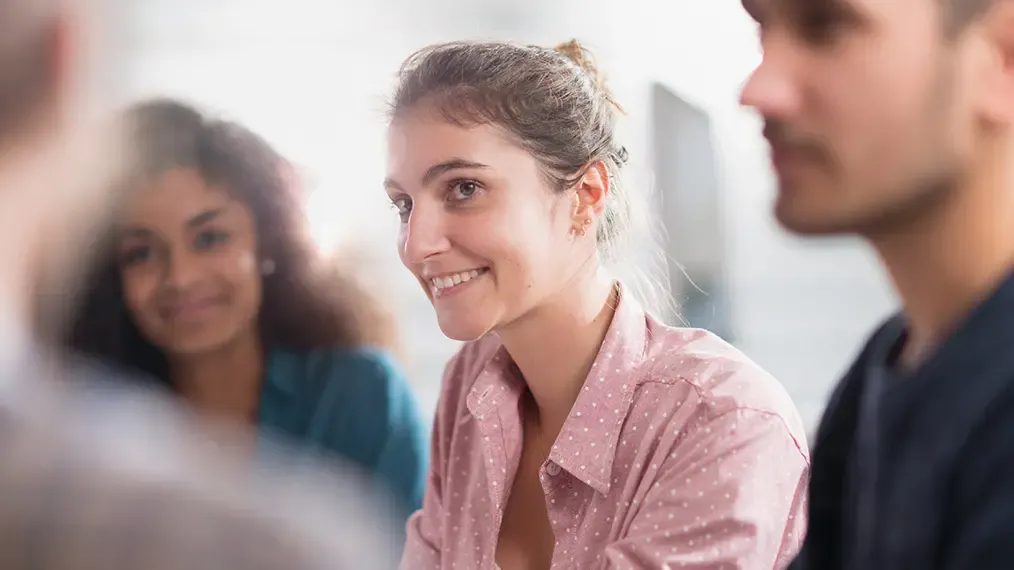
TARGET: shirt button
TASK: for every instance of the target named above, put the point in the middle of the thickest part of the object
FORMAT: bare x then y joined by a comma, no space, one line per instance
553,469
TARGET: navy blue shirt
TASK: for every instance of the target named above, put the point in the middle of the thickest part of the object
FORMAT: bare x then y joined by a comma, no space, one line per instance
354,404
915,469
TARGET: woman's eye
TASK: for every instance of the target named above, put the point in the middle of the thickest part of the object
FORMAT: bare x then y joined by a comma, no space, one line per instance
464,189
403,206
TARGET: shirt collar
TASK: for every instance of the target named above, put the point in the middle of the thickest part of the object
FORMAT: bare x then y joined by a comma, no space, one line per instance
605,400
600,408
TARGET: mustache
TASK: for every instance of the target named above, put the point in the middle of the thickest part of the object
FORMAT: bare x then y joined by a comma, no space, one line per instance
782,137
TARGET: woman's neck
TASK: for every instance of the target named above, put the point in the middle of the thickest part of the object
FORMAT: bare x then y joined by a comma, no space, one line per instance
225,383
555,345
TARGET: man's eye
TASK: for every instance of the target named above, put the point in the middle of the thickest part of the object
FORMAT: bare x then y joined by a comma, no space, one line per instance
821,23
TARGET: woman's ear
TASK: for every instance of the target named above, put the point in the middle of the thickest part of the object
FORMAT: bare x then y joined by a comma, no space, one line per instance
592,190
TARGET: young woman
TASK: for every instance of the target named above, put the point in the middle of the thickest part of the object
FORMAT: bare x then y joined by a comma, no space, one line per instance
574,429
213,286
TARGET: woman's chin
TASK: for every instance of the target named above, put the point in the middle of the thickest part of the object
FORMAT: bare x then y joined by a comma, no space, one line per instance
462,328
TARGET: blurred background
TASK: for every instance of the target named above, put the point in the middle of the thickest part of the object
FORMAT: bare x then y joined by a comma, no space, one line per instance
312,77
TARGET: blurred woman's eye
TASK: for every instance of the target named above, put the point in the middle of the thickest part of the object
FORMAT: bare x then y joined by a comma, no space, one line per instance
135,255
208,239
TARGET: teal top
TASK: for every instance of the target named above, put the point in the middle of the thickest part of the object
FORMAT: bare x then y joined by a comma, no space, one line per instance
352,403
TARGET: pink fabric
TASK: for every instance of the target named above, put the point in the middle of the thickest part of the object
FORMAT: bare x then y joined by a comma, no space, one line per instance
679,453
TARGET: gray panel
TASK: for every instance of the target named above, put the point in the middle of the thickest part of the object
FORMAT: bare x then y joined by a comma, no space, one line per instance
686,176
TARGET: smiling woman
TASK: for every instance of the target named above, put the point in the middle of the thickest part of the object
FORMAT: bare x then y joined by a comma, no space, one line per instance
213,285
574,429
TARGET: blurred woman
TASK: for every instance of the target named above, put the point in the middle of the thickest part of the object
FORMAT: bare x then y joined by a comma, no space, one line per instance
213,286
574,430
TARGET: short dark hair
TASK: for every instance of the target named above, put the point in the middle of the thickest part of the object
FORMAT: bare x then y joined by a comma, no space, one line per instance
307,303
27,56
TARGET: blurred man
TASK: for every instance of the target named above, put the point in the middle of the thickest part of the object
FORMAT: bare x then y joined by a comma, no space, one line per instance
92,476
894,120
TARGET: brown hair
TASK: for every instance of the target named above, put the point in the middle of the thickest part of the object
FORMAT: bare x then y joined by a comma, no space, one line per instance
553,102
307,304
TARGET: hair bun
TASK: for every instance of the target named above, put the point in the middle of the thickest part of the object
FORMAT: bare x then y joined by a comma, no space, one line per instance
583,58
577,53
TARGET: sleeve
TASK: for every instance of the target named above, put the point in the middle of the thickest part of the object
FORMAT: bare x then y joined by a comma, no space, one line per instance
979,536
732,497
403,459
425,529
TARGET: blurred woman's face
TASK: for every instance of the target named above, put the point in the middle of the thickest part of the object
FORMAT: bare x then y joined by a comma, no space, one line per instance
187,254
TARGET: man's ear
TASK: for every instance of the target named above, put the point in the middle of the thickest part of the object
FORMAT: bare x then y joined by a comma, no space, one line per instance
998,33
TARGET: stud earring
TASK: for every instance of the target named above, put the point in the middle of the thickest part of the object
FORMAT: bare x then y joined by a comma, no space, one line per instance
267,267
582,229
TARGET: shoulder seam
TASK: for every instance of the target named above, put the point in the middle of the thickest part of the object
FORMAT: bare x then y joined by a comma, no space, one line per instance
743,408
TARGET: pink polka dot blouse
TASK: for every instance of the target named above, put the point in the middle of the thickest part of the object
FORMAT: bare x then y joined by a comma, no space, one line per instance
678,453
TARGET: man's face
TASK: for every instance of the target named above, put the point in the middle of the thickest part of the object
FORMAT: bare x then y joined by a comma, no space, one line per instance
866,107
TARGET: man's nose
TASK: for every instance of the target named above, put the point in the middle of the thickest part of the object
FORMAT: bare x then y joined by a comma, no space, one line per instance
772,87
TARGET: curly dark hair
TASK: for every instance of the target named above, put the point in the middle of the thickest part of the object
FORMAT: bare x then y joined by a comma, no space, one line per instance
307,302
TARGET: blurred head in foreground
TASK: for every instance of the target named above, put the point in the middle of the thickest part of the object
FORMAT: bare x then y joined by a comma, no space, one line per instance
58,155
122,481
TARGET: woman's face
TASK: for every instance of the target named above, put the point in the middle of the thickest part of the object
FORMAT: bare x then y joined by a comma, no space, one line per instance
482,230
187,254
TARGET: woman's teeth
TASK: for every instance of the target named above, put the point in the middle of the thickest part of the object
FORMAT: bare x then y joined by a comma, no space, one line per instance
447,281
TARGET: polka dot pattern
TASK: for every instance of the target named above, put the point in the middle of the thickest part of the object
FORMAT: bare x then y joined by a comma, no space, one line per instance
678,453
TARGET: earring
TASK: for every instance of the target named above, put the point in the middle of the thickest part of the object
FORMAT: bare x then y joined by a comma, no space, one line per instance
267,267
582,229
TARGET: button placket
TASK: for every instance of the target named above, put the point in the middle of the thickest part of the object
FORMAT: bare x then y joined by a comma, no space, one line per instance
559,487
